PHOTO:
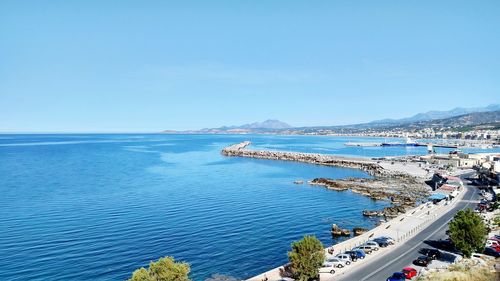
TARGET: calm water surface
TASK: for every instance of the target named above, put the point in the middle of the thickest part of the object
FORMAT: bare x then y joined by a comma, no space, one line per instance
96,207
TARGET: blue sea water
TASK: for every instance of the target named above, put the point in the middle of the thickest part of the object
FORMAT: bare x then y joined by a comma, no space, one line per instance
96,207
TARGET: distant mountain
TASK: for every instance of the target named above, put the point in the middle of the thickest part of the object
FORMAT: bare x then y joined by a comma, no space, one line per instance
434,115
456,118
475,119
268,124
256,127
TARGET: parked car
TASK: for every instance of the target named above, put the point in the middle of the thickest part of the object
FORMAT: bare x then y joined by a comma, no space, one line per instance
422,261
357,254
372,247
382,242
492,243
367,249
431,253
397,276
345,257
327,267
336,262
389,239
374,244
409,272
496,248
446,244
491,252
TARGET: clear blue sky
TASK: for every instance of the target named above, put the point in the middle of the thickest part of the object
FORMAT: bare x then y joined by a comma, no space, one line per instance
154,65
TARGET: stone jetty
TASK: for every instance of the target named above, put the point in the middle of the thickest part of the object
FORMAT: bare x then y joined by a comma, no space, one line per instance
367,165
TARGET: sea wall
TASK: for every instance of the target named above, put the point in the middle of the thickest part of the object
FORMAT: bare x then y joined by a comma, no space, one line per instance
368,165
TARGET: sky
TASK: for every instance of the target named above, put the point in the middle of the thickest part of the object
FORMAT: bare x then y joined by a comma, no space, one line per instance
147,66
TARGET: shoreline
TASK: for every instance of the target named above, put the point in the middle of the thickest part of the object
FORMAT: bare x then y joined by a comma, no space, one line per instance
386,175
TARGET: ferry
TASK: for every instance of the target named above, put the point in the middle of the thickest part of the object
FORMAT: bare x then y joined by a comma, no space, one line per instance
408,142
362,144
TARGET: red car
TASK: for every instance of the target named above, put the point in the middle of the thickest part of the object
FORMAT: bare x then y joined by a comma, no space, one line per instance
497,248
409,272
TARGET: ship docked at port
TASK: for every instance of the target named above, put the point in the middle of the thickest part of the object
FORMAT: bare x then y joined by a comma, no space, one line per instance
408,142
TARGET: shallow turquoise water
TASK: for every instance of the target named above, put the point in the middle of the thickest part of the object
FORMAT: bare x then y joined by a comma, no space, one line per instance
96,207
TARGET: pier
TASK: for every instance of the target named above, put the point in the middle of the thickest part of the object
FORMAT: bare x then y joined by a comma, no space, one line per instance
366,164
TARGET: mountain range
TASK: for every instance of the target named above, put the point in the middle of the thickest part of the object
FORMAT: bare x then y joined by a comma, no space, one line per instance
434,115
456,117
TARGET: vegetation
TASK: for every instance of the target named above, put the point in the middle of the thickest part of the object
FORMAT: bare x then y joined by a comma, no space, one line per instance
165,269
306,257
468,232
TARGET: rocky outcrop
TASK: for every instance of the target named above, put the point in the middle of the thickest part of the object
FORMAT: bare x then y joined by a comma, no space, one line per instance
387,212
329,183
404,193
393,211
359,230
337,231
368,213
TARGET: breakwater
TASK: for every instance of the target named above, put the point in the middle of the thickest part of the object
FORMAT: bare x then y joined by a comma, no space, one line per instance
368,165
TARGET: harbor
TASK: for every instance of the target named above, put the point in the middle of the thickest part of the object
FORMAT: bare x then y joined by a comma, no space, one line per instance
407,142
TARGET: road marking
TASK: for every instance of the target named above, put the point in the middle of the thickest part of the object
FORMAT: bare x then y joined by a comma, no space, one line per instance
419,244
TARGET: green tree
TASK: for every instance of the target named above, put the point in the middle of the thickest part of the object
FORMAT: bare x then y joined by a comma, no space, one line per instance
165,269
306,257
467,232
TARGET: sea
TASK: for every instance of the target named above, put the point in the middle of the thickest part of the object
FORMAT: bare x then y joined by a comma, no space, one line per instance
99,206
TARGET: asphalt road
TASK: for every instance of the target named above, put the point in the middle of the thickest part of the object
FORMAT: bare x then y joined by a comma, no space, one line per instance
403,256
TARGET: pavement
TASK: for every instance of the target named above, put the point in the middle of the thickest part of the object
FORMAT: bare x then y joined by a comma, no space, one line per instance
380,267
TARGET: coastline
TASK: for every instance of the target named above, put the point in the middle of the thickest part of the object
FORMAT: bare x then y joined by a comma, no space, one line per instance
402,228
382,172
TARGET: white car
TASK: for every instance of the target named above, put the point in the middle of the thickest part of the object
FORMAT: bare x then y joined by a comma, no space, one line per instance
372,245
327,267
344,257
336,262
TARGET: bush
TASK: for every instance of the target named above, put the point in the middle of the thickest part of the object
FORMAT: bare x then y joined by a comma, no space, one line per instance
306,257
165,269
